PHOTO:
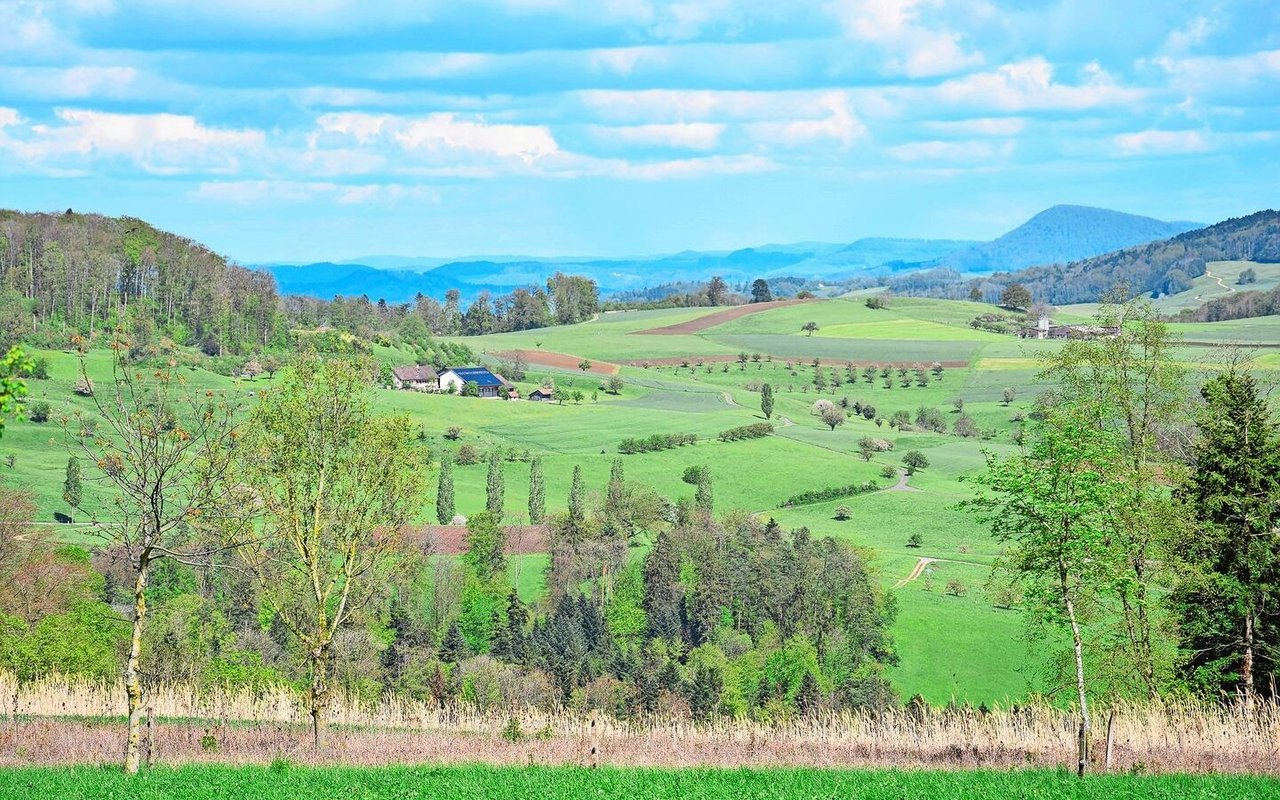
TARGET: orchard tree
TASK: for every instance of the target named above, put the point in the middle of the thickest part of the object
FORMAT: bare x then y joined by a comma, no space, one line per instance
832,415
335,484
914,460
809,328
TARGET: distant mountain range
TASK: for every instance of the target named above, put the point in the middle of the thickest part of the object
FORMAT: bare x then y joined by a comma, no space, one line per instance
1056,235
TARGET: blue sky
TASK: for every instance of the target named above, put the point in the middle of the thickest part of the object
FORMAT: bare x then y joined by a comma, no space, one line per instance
291,130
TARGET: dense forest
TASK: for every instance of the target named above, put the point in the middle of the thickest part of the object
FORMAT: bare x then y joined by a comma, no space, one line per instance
83,274
1164,267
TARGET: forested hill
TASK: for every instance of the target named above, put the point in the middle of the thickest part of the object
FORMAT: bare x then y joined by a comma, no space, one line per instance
1059,235
69,273
1159,267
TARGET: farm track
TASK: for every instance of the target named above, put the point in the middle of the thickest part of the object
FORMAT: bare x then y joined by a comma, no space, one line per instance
901,485
716,318
925,561
1226,289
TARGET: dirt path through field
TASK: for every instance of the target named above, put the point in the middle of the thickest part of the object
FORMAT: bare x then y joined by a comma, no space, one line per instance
716,318
543,358
1227,289
901,485
924,562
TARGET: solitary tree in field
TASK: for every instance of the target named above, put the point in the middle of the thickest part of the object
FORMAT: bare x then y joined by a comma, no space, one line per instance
334,484
72,490
494,484
809,328
1051,508
584,365
444,493
914,460
766,401
1008,394
915,540
537,493
1015,295
616,384
165,451
832,415
867,448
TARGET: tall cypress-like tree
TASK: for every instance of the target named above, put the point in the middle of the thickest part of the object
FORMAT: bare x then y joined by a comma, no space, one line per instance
444,493
1227,598
71,486
615,495
494,486
537,494
766,401
577,500
703,499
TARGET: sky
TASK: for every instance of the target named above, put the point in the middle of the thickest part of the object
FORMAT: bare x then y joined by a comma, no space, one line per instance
312,130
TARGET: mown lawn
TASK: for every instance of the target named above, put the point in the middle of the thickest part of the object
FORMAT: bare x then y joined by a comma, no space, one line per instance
282,781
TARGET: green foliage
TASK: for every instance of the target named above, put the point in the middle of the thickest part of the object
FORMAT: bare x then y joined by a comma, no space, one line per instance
656,442
486,541
444,493
766,401
87,640
12,387
753,431
537,493
494,484
72,489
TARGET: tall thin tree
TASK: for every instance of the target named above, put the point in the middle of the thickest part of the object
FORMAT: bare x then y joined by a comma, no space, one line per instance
537,493
494,484
444,492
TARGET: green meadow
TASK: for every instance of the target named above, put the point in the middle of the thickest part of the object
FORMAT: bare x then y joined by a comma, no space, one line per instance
953,642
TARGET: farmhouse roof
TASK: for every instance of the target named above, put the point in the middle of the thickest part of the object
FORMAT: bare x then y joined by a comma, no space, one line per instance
414,373
480,375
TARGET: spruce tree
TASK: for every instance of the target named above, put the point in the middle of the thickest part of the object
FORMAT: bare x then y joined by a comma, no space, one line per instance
702,498
444,493
537,494
766,401
494,488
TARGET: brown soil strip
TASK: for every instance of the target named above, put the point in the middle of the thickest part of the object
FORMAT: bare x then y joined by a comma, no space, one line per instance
716,318
450,540
543,358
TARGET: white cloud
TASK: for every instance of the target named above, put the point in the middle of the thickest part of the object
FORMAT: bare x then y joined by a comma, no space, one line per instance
683,135
444,134
258,192
1030,85
1212,74
71,83
1154,142
163,144
1193,33
839,124
954,151
913,47
982,126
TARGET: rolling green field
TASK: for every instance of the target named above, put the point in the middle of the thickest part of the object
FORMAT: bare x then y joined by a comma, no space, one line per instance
952,645
383,783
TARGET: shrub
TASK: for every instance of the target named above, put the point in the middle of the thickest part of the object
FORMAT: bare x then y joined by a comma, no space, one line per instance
468,455
888,472
693,474
40,368
39,411
931,419
452,433
965,427
956,587
915,540
753,431
830,493
84,387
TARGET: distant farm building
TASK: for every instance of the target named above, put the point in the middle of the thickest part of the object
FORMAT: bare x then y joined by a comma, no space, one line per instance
455,379
543,395
416,378
1044,329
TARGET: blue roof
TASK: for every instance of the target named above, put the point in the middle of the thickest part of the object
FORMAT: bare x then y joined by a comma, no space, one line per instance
480,375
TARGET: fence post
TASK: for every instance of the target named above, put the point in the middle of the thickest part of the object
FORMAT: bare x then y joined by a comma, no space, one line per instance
151,736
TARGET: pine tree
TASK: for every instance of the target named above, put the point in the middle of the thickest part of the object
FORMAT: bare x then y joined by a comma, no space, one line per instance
444,493
766,401
702,498
537,494
494,488
71,490
1227,599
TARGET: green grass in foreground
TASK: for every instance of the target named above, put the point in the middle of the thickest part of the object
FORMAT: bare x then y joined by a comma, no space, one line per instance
297,783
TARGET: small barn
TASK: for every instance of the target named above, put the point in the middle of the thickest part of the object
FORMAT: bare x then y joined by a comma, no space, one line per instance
542,395
489,384
417,378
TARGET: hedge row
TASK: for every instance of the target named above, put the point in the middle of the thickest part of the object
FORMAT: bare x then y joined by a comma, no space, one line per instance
754,431
831,493
656,442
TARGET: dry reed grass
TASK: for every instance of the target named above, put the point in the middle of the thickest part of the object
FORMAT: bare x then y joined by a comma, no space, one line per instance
56,721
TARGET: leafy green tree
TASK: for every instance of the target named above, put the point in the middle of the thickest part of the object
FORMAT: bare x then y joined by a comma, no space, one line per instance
1050,508
577,499
616,384
615,494
1015,295
914,460
867,447
537,493
809,328
334,484
494,484
12,388
1228,601
470,389
444,493
766,401
486,544
760,291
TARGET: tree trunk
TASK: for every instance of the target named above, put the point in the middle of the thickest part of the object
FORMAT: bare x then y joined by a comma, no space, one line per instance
132,671
1246,669
1083,742
319,695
